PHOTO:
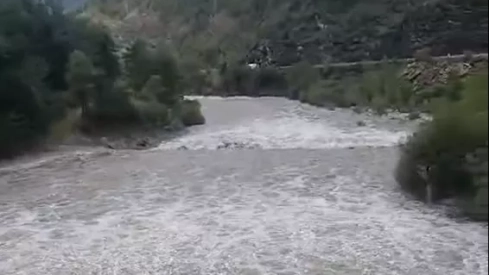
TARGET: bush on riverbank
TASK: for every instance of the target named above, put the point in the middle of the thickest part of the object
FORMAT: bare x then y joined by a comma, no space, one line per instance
448,152
378,89
243,80
388,85
191,113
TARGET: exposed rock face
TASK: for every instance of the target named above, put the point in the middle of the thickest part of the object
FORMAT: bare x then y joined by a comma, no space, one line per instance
372,30
424,74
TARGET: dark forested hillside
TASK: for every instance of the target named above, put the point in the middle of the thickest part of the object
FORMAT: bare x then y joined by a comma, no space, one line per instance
316,30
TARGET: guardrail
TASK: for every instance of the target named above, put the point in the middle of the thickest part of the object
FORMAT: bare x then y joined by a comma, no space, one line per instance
459,57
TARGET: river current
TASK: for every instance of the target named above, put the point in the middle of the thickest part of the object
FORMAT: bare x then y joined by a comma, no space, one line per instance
267,187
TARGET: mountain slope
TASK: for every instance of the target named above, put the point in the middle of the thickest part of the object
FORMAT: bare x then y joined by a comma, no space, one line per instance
316,30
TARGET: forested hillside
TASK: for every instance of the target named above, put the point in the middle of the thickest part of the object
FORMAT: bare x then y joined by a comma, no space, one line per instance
286,31
55,66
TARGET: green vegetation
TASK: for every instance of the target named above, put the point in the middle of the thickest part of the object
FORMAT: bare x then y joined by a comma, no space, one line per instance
450,152
214,40
191,114
413,87
57,69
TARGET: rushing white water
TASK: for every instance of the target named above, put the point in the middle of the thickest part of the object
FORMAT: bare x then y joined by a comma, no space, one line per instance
294,201
289,126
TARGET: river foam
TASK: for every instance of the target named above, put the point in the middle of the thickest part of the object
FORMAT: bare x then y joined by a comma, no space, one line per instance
290,125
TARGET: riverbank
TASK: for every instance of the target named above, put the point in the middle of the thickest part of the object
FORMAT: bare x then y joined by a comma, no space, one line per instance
407,85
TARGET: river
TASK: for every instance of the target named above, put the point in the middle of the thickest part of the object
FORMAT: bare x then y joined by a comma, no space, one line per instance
308,191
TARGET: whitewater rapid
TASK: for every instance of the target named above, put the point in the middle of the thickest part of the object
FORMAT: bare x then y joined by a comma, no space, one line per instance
272,123
307,191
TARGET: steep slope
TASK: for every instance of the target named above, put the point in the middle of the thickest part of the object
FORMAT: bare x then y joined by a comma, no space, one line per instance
285,31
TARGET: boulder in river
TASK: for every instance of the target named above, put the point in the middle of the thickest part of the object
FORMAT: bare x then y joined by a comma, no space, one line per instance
361,123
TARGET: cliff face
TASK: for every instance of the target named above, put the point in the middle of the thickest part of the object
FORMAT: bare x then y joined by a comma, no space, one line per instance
286,31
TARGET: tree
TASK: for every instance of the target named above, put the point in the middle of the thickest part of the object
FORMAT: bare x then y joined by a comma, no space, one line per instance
95,41
80,78
166,66
153,89
137,66
33,56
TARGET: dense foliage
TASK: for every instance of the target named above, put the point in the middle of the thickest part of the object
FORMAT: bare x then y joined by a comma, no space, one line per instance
450,152
34,51
52,63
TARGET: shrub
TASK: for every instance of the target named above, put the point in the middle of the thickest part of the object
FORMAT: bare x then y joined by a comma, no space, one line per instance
476,205
269,79
152,112
113,106
379,104
327,93
300,77
239,79
191,113
316,94
385,88
440,147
